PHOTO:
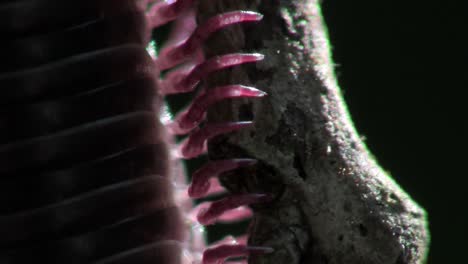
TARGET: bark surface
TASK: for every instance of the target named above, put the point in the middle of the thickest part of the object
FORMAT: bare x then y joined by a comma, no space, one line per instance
332,202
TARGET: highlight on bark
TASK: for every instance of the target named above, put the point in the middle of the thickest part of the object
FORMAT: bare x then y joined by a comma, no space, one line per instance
332,203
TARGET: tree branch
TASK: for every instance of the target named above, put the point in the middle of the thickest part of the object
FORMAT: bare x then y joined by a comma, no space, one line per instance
333,203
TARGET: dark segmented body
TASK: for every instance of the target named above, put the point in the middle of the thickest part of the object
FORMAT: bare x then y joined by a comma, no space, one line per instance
84,174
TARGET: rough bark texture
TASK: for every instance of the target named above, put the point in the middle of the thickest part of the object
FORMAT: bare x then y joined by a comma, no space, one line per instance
333,203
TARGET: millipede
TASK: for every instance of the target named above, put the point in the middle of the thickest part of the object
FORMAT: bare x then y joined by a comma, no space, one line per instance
91,160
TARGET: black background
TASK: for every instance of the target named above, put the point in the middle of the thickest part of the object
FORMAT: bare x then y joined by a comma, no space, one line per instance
403,68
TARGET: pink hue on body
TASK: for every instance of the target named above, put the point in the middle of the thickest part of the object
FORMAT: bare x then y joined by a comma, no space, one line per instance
193,115
207,216
195,144
186,79
200,178
178,52
184,50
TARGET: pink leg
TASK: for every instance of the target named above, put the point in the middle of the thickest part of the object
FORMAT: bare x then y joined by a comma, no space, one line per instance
242,239
215,210
195,144
190,118
235,215
219,254
182,82
176,52
215,188
165,11
229,216
200,178
229,240
184,26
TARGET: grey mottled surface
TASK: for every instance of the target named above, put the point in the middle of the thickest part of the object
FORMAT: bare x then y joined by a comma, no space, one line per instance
333,203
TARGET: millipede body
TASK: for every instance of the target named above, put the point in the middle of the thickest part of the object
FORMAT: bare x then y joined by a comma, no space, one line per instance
85,174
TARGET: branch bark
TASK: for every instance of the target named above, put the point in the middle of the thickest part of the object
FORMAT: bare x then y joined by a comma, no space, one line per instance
333,203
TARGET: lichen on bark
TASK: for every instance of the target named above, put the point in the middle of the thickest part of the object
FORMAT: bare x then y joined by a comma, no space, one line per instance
333,203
